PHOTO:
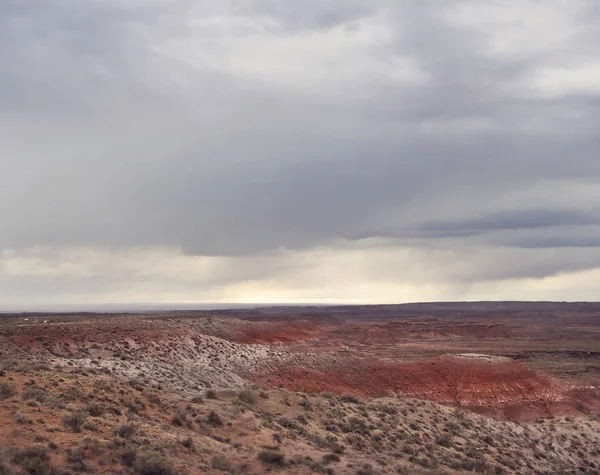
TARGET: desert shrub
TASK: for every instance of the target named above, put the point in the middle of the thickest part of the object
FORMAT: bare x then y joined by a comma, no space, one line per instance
152,463
179,419
488,439
349,398
452,428
94,410
128,457
188,443
20,418
271,457
136,384
126,431
287,423
4,470
336,447
388,409
34,393
300,460
247,396
210,394
355,424
74,421
214,419
7,390
220,462
33,460
444,440
328,458
135,406
90,425
75,458
154,398
366,469
477,465
90,445
302,419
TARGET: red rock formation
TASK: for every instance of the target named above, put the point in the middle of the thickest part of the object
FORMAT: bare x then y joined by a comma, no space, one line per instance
487,384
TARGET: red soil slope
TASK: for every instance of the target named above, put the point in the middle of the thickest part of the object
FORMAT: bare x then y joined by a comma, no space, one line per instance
487,384
276,333
290,332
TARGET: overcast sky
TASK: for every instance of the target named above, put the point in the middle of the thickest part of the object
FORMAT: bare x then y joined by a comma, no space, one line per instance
302,151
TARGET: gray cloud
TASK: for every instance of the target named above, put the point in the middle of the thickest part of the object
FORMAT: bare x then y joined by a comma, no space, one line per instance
244,129
518,219
309,15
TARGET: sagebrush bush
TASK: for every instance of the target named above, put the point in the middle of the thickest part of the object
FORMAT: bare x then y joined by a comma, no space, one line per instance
328,458
179,419
7,390
444,440
152,463
33,460
74,421
37,394
214,419
247,396
94,410
128,457
188,443
271,457
210,394
349,398
75,458
126,431
220,462
154,398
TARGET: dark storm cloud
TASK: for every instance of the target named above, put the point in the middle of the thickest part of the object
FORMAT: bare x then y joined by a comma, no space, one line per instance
519,219
147,123
558,242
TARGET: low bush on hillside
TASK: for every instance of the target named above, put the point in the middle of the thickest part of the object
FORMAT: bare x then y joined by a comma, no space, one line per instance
247,396
6,390
271,457
214,419
74,421
152,463
349,398
33,460
220,462
126,431
210,394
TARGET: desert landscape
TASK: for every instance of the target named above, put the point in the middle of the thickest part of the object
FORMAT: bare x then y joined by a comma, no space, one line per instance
218,219
417,388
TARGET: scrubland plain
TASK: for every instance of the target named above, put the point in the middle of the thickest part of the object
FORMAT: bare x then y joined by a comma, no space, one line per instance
495,388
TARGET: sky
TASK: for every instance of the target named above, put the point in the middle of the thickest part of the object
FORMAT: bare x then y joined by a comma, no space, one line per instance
252,151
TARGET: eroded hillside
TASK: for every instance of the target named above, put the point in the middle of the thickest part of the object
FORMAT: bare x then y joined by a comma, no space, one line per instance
204,393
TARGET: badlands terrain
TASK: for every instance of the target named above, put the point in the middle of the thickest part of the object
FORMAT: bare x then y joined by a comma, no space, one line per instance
491,387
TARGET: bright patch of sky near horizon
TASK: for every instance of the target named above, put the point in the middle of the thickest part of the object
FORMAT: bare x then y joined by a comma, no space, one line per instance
279,151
